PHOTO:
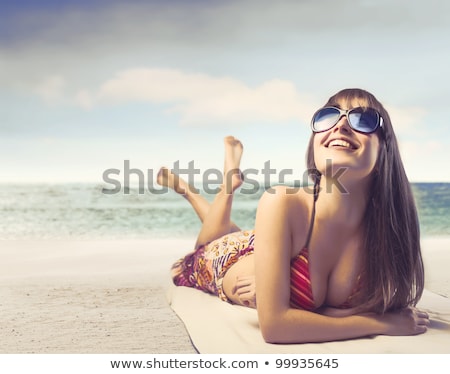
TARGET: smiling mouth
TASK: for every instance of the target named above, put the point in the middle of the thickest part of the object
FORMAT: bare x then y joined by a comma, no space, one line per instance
340,144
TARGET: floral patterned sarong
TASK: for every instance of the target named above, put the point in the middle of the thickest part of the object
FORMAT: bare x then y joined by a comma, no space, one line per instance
205,268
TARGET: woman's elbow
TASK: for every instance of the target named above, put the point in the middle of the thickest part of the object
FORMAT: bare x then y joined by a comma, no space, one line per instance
273,330
269,333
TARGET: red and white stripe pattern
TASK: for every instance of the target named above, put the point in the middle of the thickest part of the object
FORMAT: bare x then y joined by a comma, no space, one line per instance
301,291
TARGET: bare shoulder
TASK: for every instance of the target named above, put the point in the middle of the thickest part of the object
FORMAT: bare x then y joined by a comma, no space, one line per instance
287,199
289,205
284,213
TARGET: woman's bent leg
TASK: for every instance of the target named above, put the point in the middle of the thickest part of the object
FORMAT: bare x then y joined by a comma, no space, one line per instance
198,268
200,205
217,221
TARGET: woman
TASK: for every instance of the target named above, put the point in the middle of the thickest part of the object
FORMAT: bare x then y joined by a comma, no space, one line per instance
342,262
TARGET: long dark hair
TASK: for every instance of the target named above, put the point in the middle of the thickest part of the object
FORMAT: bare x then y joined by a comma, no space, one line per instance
393,274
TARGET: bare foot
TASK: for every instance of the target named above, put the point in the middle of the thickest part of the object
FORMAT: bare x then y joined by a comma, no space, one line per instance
168,179
233,177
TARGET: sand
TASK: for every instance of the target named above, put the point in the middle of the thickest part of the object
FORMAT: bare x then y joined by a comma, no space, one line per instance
97,296
89,297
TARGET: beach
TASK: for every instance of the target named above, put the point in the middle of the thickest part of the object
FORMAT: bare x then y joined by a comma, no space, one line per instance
92,296
110,296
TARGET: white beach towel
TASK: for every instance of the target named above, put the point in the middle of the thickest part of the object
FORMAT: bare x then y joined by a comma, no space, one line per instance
217,327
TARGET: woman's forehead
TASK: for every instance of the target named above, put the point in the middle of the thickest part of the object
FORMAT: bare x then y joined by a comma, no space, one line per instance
348,103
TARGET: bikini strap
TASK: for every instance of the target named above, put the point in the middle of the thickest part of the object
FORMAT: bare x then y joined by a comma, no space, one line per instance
313,214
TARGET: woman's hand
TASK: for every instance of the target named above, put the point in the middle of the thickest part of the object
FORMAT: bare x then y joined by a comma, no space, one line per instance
408,321
245,289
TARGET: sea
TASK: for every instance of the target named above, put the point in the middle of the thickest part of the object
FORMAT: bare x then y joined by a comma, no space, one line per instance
92,211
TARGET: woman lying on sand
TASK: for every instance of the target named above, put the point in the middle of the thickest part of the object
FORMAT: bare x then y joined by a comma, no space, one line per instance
330,265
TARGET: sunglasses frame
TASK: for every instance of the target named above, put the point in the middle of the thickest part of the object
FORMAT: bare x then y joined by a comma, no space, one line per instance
346,113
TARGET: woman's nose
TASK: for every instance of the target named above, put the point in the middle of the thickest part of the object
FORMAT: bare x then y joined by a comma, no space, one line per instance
342,125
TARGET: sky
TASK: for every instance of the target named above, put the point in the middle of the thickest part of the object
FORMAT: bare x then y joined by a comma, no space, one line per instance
89,86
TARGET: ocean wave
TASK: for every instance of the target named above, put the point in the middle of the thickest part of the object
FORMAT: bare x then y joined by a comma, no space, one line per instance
45,211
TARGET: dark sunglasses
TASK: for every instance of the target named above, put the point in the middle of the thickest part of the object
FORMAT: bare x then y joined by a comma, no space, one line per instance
364,120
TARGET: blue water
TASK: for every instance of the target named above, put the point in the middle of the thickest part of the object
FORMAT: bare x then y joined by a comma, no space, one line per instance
85,211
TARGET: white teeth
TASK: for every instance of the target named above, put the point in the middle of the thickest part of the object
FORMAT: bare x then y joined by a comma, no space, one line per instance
340,143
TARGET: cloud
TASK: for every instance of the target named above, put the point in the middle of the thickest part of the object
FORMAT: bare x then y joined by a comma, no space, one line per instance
421,163
166,20
408,120
203,99
51,89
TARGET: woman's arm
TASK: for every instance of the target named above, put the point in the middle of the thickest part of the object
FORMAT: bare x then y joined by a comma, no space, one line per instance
279,322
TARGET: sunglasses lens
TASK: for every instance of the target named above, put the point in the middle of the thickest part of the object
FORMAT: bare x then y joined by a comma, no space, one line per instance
325,119
363,120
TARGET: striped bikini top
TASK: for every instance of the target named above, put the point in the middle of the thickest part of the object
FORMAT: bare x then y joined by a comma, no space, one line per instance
301,290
